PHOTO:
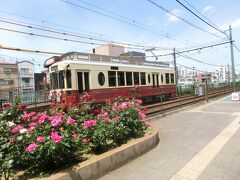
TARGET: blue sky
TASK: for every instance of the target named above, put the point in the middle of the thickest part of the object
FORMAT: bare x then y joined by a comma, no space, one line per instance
78,20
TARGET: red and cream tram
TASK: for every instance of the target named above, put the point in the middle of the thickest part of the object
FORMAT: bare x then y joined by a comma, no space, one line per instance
105,77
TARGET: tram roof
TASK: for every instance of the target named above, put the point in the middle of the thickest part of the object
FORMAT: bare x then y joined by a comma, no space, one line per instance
94,59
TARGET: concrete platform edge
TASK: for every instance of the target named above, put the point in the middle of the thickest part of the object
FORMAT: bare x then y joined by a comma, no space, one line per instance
108,161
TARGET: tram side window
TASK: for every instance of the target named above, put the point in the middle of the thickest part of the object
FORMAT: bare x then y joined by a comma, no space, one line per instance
68,78
121,78
162,78
54,80
143,78
172,78
86,81
136,78
112,78
149,78
129,78
61,79
157,80
167,78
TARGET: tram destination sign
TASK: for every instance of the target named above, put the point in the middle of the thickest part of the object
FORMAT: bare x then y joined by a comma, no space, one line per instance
114,68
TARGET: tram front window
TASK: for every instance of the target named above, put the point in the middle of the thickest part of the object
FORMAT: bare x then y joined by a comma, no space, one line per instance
61,79
68,78
54,80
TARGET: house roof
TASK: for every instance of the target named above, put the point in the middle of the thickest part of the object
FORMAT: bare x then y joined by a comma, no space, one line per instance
7,63
24,61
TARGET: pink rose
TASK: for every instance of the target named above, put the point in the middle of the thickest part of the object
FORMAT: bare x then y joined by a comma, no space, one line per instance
25,117
116,118
138,101
55,122
40,139
148,124
32,124
61,128
75,135
55,137
89,123
106,119
31,147
142,115
85,140
102,115
14,130
12,140
71,121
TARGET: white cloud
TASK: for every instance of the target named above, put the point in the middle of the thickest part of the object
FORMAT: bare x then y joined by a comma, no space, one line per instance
209,9
172,18
236,24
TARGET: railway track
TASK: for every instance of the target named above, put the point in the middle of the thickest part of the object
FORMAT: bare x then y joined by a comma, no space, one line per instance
156,108
182,101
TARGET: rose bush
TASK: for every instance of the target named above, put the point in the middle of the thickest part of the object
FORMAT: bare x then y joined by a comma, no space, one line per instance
36,142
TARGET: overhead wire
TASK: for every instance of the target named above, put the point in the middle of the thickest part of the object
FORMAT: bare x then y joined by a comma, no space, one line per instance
200,17
201,14
184,20
197,60
52,30
193,68
163,34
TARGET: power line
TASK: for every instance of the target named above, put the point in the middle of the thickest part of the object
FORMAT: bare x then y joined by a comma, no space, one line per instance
197,60
163,34
80,36
204,47
200,17
192,68
184,20
30,50
201,13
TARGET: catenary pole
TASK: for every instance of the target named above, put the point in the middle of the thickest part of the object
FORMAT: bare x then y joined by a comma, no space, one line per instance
175,69
232,59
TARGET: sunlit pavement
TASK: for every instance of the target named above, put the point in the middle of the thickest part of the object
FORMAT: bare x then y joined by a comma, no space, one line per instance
198,143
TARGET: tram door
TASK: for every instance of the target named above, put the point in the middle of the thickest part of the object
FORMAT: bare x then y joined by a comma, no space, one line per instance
83,81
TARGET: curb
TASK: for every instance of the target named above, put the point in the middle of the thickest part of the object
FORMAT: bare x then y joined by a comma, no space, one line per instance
108,161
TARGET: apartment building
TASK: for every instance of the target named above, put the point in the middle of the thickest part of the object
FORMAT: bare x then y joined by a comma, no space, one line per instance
26,75
8,75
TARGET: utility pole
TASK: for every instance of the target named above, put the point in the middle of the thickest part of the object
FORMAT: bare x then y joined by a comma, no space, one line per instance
232,59
175,69
228,74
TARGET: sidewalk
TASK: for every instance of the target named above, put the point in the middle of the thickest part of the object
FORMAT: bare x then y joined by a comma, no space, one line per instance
198,143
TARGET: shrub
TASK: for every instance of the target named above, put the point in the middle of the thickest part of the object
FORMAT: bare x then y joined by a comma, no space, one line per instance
38,142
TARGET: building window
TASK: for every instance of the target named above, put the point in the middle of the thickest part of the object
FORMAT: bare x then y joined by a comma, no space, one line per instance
172,78
8,70
136,78
68,78
2,82
149,78
24,71
61,79
121,78
161,78
101,79
143,78
167,78
112,78
26,81
129,78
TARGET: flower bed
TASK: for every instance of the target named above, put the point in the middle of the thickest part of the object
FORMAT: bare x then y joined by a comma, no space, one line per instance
41,143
